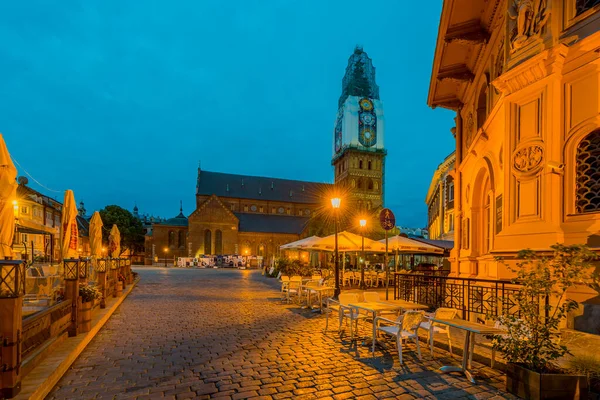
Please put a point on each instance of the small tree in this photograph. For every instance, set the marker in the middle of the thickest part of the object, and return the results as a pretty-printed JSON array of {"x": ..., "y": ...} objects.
[
  {"x": 543, "y": 304},
  {"x": 131, "y": 229}
]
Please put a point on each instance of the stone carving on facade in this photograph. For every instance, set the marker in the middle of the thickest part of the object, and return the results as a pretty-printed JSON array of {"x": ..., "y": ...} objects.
[
  {"x": 526, "y": 20},
  {"x": 528, "y": 159},
  {"x": 469, "y": 126}
]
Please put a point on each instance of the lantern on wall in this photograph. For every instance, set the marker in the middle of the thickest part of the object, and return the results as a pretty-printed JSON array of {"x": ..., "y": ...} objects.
[
  {"x": 113, "y": 264},
  {"x": 101, "y": 265},
  {"x": 12, "y": 278},
  {"x": 83, "y": 268},
  {"x": 71, "y": 269}
]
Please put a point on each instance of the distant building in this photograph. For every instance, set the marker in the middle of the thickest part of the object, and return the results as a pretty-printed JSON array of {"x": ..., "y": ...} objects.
[
  {"x": 413, "y": 232},
  {"x": 440, "y": 201},
  {"x": 250, "y": 215}
]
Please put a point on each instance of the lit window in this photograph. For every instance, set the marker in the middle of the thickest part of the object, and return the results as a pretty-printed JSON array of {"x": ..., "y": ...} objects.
[
  {"x": 261, "y": 209},
  {"x": 246, "y": 208},
  {"x": 587, "y": 179},
  {"x": 24, "y": 210}
]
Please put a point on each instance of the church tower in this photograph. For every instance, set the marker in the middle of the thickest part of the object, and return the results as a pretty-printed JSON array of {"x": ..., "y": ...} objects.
[{"x": 358, "y": 146}]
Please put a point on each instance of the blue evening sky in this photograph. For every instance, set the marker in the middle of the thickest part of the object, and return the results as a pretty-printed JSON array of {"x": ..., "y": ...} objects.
[{"x": 119, "y": 100}]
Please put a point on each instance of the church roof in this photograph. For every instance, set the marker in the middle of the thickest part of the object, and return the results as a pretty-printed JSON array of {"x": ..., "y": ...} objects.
[
  {"x": 259, "y": 188},
  {"x": 180, "y": 220},
  {"x": 269, "y": 223}
]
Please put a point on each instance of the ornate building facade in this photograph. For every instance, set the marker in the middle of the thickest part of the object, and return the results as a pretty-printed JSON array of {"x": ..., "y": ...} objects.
[
  {"x": 440, "y": 201},
  {"x": 524, "y": 80}
]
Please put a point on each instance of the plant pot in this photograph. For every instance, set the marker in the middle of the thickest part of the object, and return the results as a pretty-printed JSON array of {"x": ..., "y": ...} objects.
[
  {"x": 84, "y": 317},
  {"x": 528, "y": 384}
]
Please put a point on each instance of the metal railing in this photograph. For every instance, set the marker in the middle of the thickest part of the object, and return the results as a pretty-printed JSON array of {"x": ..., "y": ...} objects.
[{"x": 469, "y": 295}]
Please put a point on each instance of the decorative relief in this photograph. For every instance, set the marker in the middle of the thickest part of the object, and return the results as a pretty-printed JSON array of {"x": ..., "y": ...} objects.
[
  {"x": 469, "y": 127},
  {"x": 528, "y": 159},
  {"x": 526, "y": 20}
]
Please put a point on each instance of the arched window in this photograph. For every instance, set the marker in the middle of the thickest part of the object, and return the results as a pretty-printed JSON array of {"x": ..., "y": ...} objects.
[
  {"x": 181, "y": 239},
  {"x": 171, "y": 238},
  {"x": 369, "y": 165},
  {"x": 482, "y": 106},
  {"x": 359, "y": 184},
  {"x": 207, "y": 242},
  {"x": 370, "y": 184},
  {"x": 353, "y": 183},
  {"x": 218, "y": 242},
  {"x": 376, "y": 185},
  {"x": 360, "y": 164},
  {"x": 588, "y": 174},
  {"x": 368, "y": 205}
]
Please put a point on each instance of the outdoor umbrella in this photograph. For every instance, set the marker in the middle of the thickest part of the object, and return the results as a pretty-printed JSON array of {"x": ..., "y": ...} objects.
[
  {"x": 347, "y": 241},
  {"x": 8, "y": 193},
  {"x": 96, "y": 235},
  {"x": 403, "y": 244},
  {"x": 300, "y": 244},
  {"x": 69, "y": 233},
  {"x": 114, "y": 242}
]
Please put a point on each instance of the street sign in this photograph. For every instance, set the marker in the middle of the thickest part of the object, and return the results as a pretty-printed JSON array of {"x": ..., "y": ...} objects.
[{"x": 387, "y": 219}]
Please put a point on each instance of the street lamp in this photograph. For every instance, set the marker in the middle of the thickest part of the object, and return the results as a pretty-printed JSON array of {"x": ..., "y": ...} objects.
[
  {"x": 166, "y": 250},
  {"x": 363, "y": 224},
  {"x": 335, "y": 203}
]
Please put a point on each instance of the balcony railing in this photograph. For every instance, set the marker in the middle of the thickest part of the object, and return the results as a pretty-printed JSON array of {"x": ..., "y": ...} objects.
[{"x": 470, "y": 296}]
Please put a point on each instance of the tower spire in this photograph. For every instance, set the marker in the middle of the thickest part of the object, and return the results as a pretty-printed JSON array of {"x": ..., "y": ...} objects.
[{"x": 181, "y": 206}]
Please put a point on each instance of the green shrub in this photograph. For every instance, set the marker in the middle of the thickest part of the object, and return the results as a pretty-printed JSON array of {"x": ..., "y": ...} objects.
[{"x": 588, "y": 365}]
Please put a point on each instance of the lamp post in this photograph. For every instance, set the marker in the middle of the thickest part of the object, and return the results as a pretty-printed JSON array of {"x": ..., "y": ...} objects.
[
  {"x": 166, "y": 250},
  {"x": 363, "y": 224},
  {"x": 335, "y": 203}
]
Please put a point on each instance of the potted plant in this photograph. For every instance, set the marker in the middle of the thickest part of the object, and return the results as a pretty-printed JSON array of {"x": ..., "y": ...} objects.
[
  {"x": 88, "y": 294},
  {"x": 120, "y": 284},
  {"x": 531, "y": 345}
]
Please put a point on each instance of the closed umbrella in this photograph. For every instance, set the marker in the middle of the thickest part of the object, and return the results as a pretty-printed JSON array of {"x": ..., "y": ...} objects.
[
  {"x": 96, "y": 235},
  {"x": 114, "y": 242},
  {"x": 8, "y": 193},
  {"x": 69, "y": 242}
]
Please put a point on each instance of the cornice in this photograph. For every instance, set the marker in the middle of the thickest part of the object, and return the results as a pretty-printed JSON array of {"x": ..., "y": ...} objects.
[{"x": 533, "y": 70}]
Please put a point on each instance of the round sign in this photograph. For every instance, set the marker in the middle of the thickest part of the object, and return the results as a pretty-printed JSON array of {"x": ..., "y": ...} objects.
[{"x": 387, "y": 219}]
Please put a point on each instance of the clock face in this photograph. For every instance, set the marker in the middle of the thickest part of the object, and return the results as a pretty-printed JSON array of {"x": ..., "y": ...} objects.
[
  {"x": 253, "y": 207},
  {"x": 280, "y": 210},
  {"x": 366, "y": 104},
  {"x": 367, "y": 136},
  {"x": 367, "y": 119}
]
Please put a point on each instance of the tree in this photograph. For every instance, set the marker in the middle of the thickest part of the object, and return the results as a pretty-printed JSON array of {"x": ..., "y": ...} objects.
[{"x": 132, "y": 232}]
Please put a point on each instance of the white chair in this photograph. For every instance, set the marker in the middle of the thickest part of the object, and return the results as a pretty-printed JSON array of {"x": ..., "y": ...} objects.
[
  {"x": 489, "y": 344},
  {"x": 433, "y": 328},
  {"x": 294, "y": 287},
  {"x": 285, "y": 280},
  {"x": 405, "y": 327},
  {"x": 351, "y": 313}
]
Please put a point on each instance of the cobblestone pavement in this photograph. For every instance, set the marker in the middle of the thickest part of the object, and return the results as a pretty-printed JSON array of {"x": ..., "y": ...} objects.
[{"x": 184, "y": 334}]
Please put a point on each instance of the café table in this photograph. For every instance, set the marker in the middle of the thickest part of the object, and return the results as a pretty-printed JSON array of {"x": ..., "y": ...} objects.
[
  {"x": 319, "y": 290},
  {"x": 406, "y": 305},
  {"x": 471, "y": 329},
  {"x": 374, "y": 308}
]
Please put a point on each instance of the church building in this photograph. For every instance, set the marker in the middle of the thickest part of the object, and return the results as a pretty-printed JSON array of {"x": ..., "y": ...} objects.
[{"x": 254, "y": 216}]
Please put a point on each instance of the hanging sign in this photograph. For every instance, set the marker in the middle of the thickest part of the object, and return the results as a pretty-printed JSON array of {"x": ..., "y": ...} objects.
[{"x": 387, "y": 219}]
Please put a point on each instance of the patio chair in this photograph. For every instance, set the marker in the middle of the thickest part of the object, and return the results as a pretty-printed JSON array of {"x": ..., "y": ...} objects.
[
  {"x": 294, "y": 286},
  {"x": 347, "y": 279},
  {"x": 352, "y": 313},
  {"x": 285, "y": 280},
  {"x": 489, "y": 344},
  {"x": 433, "y": 328},
  {"x": 404, "y": 327}
]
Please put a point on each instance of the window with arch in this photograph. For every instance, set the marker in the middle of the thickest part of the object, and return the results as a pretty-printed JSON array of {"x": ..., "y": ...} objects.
[
  {"x": 359, "y": 184},
  {"x": 218, "y": 242},
  {"x": 207, "y": 241},
  {"x": 368, "y": 205},
  {"x": 376, "y": 185},
  {"x": 587, "y": 194},
  {"x": 353, "y": 183},
  {"x": 181, "y": 239},
  {"x": 370, "y": 184},
  {"x": 482, "y": 106},
  {"x": 360, "y": 164},
  {"x": 171, "y": 238}
]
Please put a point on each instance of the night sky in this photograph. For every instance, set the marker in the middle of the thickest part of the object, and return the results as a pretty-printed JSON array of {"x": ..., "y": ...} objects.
[{"x": 120, "y": 100}]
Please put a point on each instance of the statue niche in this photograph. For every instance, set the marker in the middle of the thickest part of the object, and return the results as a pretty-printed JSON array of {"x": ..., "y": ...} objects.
[{"x": 526, "y": 20}]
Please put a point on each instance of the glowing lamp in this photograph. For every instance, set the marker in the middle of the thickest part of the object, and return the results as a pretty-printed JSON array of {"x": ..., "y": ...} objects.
[
  {"x": 71, "y": 269},
  {"x": 336, "y": 202}
]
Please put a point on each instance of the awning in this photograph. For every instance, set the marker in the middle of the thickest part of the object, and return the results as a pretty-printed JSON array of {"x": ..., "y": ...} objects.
[{"x": 32, "y": 231}]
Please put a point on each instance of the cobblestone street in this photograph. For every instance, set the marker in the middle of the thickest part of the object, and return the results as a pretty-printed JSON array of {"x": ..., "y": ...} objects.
[{"x": 185, "y": 334}]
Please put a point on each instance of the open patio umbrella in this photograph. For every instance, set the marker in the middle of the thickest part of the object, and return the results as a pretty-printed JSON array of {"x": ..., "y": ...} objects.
[
  {"x": 347, "y": 241},
  {"x": 114, "y": 242},
  {"x": 403, "y": 244},
  {"x": 96, "y": 235},
  {"x": 8, "y": 193},
  {"x": 300, "y": 244},
  {"x": 69, "y": 234}
]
